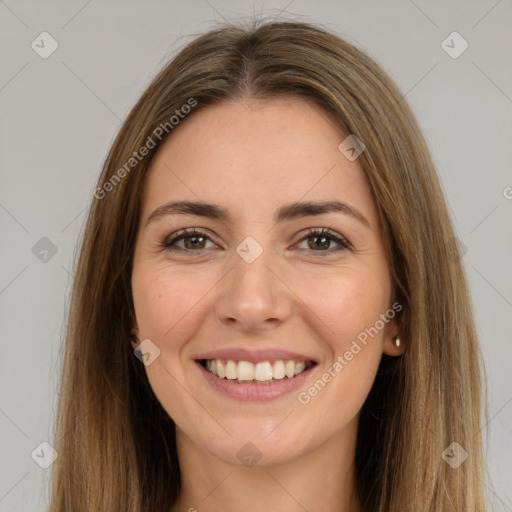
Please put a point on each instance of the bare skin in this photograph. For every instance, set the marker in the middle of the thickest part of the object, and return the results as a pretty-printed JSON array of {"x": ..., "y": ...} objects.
[{"x": 300, "y": 294}]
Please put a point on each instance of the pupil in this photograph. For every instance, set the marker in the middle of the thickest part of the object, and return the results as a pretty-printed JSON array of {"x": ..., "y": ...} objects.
[
  {"x": 193, "y": 244},
  {"x": 324, "y": 243}
]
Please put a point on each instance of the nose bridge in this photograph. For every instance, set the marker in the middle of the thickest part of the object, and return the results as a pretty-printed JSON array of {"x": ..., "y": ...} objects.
[
  {"x": 252, "y": 275},
  {"x": 253, "y": 295}
]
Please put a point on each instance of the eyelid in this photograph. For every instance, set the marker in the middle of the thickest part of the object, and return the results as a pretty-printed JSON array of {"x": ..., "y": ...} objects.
[
  {"x": 343, "y": 244},
  {"x": 185, "y": 233}
]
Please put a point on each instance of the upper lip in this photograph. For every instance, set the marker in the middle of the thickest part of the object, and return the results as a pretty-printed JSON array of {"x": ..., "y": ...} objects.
[{"x": 254, "y": 356}]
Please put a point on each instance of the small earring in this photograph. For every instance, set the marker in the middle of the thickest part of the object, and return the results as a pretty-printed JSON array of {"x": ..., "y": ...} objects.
[{"x": 397, "y": 341}]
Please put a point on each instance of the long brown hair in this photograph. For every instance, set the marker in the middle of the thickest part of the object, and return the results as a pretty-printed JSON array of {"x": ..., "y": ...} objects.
[{"x": 116, "y": 443}]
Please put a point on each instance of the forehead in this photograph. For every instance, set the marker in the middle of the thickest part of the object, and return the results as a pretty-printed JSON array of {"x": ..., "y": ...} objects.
[{"x": 249, "y": 154}]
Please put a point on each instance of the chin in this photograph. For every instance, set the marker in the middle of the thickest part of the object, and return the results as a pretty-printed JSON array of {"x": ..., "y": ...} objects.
[{"x": 251, "y": 444}]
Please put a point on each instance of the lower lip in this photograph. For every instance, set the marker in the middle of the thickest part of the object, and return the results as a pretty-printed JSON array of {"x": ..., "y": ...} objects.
[{"x": 255, "y": 392}]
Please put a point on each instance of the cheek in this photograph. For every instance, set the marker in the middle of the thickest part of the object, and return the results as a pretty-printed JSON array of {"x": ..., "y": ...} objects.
[
  {"x": 163, "y": 300},
  {"x": 346, "y": 310},
  {"x": 345, "y": 303}
]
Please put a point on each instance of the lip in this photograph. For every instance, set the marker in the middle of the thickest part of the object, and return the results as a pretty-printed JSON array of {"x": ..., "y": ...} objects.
[
  {"x": 254, "y": 356},
  {"x": 254, "y": 392}
]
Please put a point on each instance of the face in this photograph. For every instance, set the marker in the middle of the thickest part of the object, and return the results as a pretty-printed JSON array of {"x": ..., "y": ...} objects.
[{"x": 300, "y": 296}]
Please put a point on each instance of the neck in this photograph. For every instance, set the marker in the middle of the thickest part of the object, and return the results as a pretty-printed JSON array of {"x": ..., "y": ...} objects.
[{"x": 322, "y": 479}]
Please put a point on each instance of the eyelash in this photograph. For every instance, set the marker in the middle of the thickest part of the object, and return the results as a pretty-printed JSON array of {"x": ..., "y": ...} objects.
[{"x": 167, "y": 243}]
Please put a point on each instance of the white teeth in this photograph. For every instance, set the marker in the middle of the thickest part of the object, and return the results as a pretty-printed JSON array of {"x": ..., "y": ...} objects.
[
  {"x": 245, "y": 370},
  {"x": 221, "y": 372},
  {"x": 289, "y": 369},
  {"x": 231, "y": 372},
  {"x": 278, "y": 370},
  {"x": 263, "y": 371},
  {"x": 300, "y": 367}
]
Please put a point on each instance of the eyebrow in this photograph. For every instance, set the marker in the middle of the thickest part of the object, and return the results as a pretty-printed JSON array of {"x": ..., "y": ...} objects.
[{"x": 287, "y": 212}]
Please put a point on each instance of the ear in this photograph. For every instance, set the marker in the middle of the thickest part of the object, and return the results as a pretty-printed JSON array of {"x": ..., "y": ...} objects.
[
  {"x": 391, "y": 334},
  {"x": 134, "y": 329},
  {"x": 390, "y": 347},
  {"x": 134, "y": 333},
  {"x": 134, "y": 341}
]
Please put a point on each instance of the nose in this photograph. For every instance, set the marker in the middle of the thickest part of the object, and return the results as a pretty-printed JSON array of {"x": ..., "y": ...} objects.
[{"x": 254, "y": 297}]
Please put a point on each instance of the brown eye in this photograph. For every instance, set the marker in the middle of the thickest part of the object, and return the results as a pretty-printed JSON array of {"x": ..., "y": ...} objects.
[
  {"x": 319, "y": 240},
  {"x": 193, "y": 239}
]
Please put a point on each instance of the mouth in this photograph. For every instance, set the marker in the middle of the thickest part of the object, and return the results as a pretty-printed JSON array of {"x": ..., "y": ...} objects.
[
  {"x": 256, "y": 373},
  {"x": 252, "y": 375}
]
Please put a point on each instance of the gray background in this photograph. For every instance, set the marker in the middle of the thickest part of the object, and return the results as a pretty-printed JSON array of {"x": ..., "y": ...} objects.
[{"x": 60, "y": 116}]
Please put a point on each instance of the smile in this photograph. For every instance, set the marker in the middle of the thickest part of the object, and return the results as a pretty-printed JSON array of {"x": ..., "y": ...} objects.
[{"x": 263, "y": 372}]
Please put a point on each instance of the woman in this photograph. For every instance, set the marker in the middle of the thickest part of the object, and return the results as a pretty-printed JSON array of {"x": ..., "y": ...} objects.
[{"x": 264, "y": 316}]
